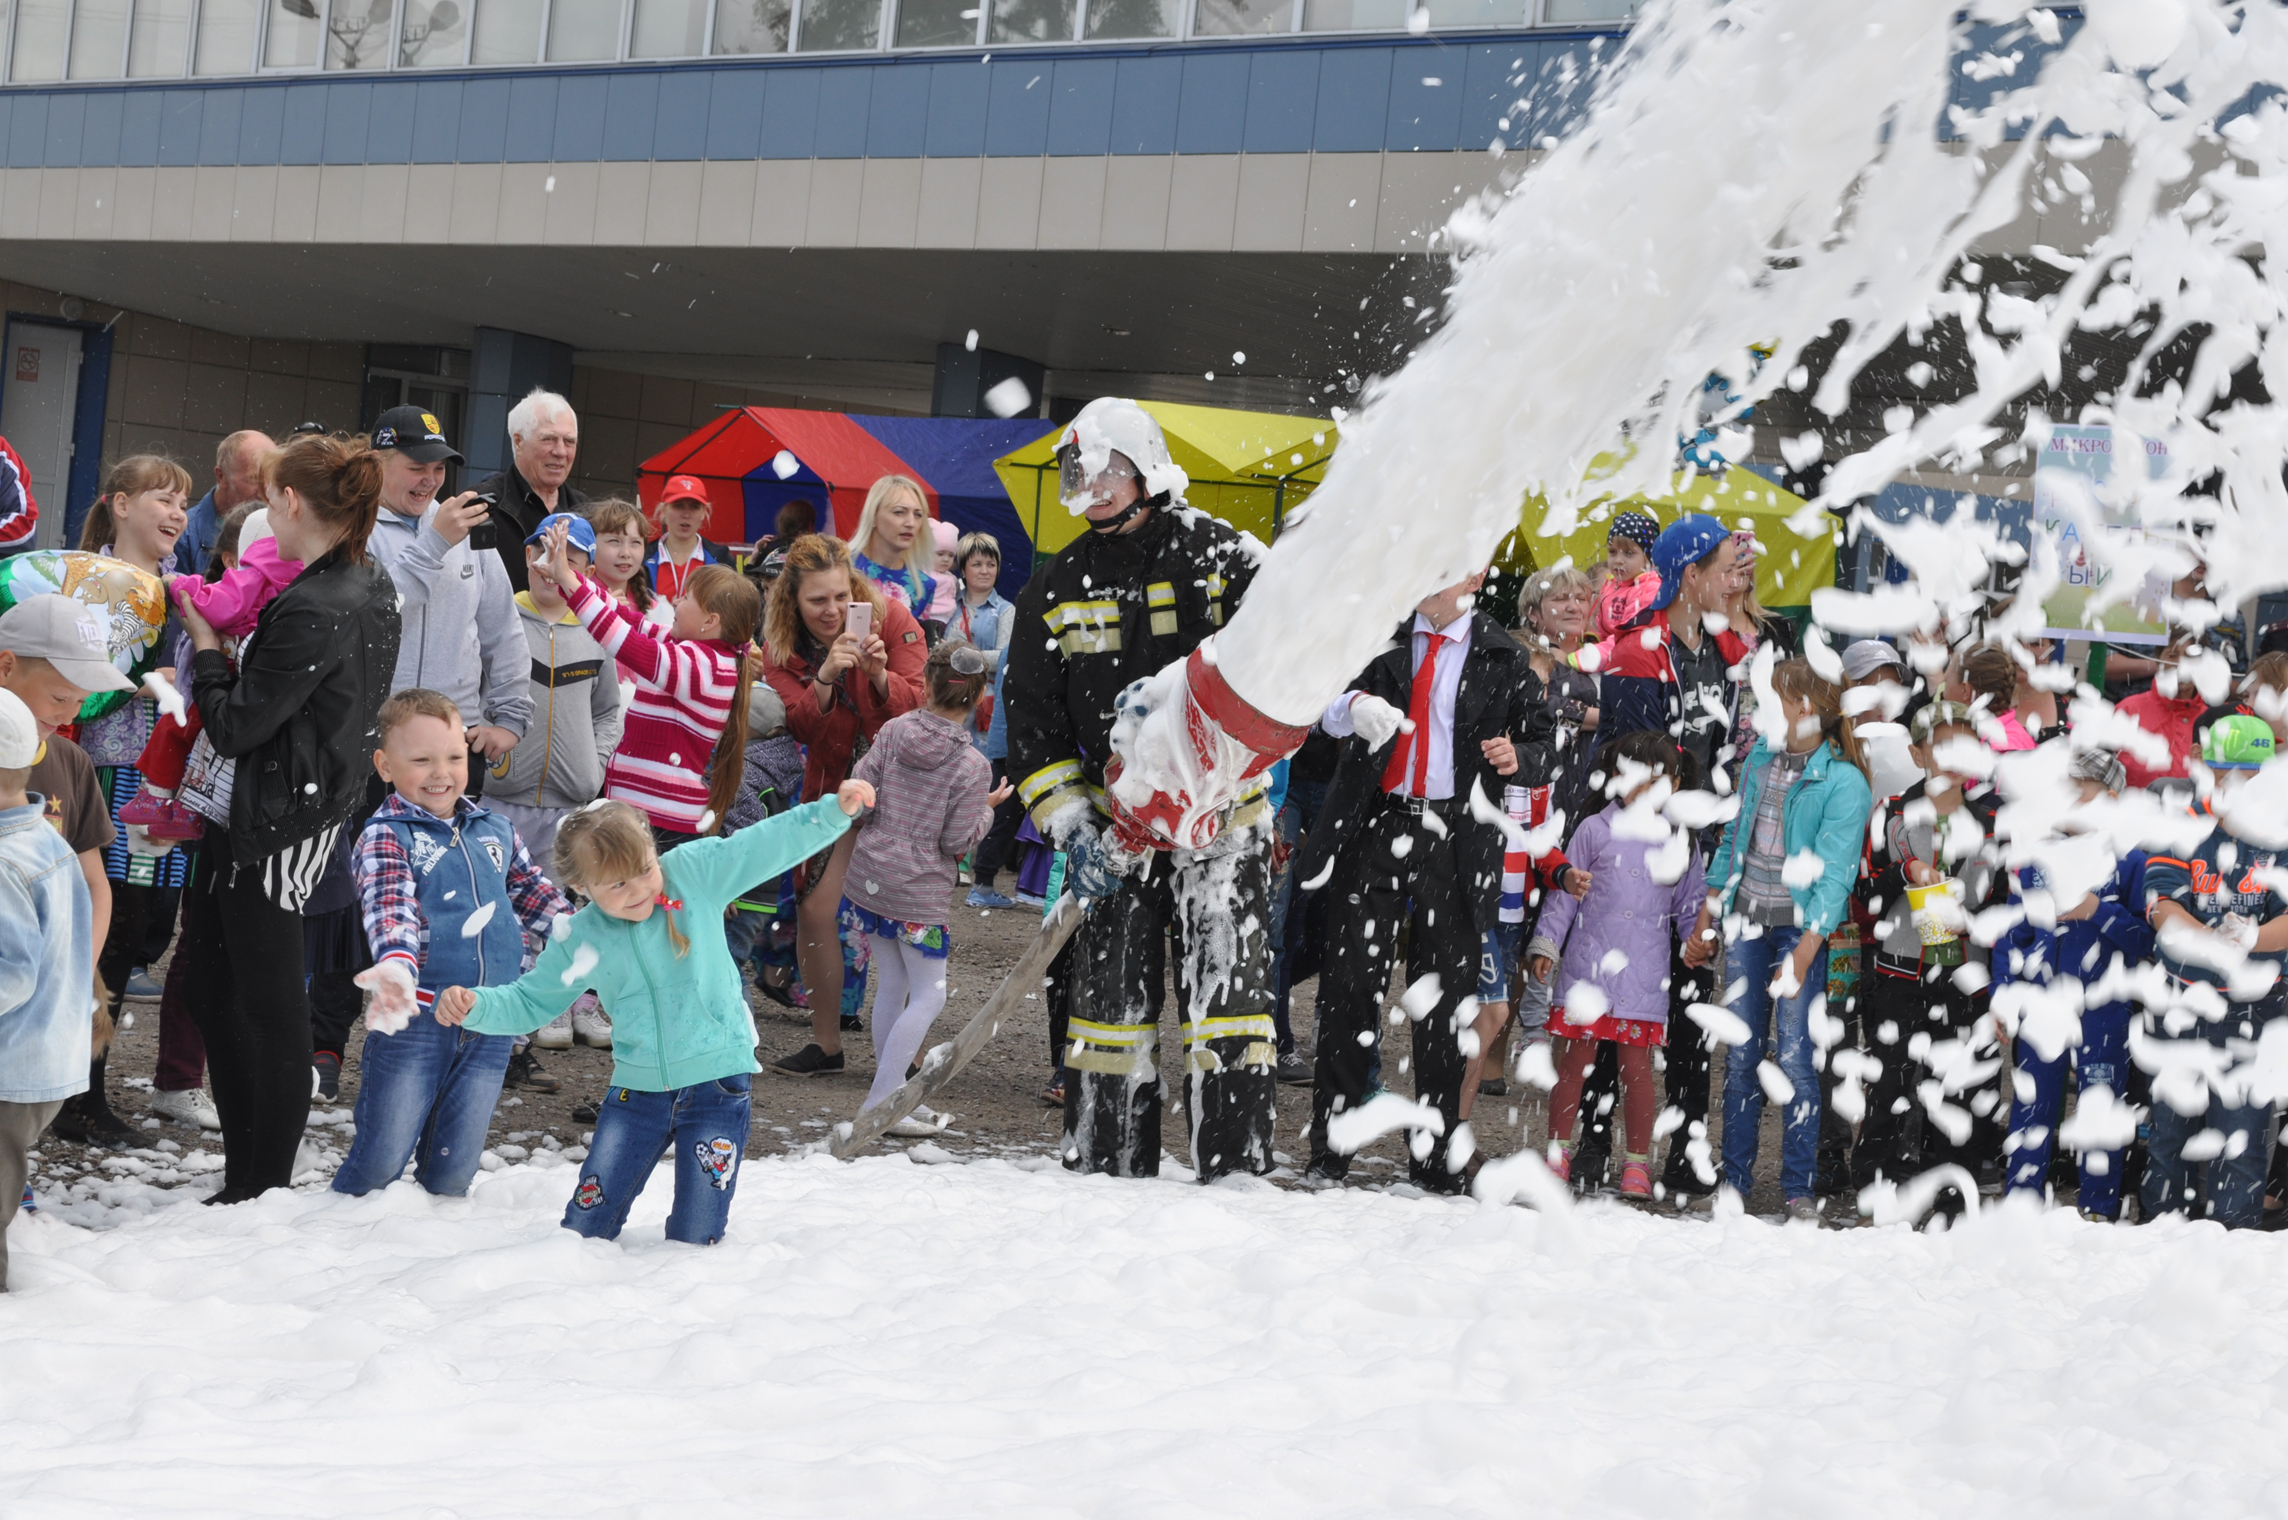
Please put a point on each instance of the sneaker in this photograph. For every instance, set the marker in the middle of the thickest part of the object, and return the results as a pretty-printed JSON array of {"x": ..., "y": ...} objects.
[
  {"x": 1561, "y": 1164},
  {"x": 963, "y": 877},
  {"x": 1679, "y": 1180},
  {"x": 1029, "y": 900},
  {"x": 1636, "y": 1180},
  {"x": 810, "y": 1061},
  {"x": 1054, "y": 1094},
  {"x": 1803, "y": 1211},
  {"x": 189, "y": 1105},
  {"x": 1293, "y": 1070},
  {"x": 1327, "y": 1171},
  {"x": 778, "y": 988},
  {"x": 162, "y": 817},
  {"x": 986, "y": 897},
  {"x": 524, "y": 1071},
  {"x": 327, "y": 1068},
  {"x": 921, "y": 1124},
  {"x": 141, "y": 987},
  {"x": 1493, "y": 1087},
  {"x": 29, "y": 1205},
  {"x": 851, "y": 1023},
  {"x": 590, "y": 1024},
  {"x": 91, "y": 1123},
  {"x": 586, "y": 1112},
  {"x": 556, "y": 1034}
]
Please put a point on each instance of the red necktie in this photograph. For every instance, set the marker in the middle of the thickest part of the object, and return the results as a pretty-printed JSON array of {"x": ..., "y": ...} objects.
[{"x": 1412, "y": 751}]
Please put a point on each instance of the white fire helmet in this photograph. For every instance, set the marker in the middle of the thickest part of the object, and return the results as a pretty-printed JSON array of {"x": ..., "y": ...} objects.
[{"x": 1086, "y": 450}]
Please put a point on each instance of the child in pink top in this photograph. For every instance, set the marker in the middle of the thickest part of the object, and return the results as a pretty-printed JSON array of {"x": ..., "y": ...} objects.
[
  {"x": 1634, "y": 584},
  {"x": 233, "y": 604}
]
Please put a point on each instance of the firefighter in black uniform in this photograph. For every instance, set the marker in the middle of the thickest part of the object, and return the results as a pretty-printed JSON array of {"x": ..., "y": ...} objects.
[{"x": 1140, "y": 590}]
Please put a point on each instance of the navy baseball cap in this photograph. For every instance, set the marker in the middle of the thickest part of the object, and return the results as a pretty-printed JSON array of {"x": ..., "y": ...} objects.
[
  {"x": 412, "y": 432},
  {"x": 581, "y": 533},
  {"x": 1685, "y": 542}
]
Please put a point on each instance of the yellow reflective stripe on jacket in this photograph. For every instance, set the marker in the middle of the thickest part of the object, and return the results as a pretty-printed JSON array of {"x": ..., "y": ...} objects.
[
  {"x": 1049, "y": 791},
  {"x": 1085, "y": 627},
  {"x": 1161, "y": 595},
  {"x": 1216, "y": 584}
]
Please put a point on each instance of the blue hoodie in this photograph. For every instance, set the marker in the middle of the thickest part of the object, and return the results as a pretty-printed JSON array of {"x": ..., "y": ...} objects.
[{"x": 47, "y": 956}]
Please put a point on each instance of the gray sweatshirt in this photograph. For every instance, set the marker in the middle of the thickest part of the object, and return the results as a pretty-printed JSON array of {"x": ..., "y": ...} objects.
[
  {"x": 575, "y": 717},
  {"x": 460, "y": 624},
  {"x": 929, "y": 810}
]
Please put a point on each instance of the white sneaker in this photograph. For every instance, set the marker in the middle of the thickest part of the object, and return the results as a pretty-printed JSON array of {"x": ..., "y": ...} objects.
[
  {"x": 190, "y": 1106},
  {"x": 556, "y": 1034},
  {"x": 590, "y": 1024},
  {"x": 921, "y": 1124}
]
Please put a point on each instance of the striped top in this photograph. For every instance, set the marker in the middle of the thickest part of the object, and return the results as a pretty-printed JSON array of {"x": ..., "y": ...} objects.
[
  {"x": 683, "y": 690},
  {"x": 1528, "y": 807}
]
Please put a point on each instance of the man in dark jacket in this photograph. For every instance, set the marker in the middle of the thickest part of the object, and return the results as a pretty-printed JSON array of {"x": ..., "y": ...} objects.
[
  {"x": 1145, "y": 586},
  {"x": 544, "y": 439},
  {"x": 1404, "y": 848}
]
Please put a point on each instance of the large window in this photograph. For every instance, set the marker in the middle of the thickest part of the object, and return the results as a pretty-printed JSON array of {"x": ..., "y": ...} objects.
[{"x": 54, "y": 40}]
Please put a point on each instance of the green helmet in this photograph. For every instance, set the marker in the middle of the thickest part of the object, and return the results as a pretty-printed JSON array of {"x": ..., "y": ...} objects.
[{"x": 2237, "y": 743}]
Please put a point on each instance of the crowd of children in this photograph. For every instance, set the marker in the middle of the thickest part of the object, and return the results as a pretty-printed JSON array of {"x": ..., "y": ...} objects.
[{"x": 1699, "y": 847}]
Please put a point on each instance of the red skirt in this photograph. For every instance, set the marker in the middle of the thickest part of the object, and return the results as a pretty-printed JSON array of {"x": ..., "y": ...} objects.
[{"x": 1642, "y": 1032}]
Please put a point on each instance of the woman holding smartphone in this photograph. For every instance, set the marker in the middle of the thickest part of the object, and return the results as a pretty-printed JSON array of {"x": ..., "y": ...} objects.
[{"x": 845, "y": 660}]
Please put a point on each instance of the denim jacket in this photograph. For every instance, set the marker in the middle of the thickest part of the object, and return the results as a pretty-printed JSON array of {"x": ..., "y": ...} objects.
[
  {"x": 47, "y": 961},
  {"x": 1826, "y": 814}
]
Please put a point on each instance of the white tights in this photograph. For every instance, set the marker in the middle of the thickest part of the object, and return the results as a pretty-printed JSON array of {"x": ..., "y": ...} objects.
[{"x": 909, "y": 994}]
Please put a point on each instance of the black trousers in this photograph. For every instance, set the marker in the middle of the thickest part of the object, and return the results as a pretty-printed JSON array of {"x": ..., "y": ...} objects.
[
  {"x": 1898, "y": 1139},
  {"x": 243, "y": 985},
  {"x": 335, "y": 1003},
  {"x": 1219, "y": 908},
  {"x": 993, "y": 850},
  {"x": 142, "y": 924},
  {"x": 1395, "y": 871}
]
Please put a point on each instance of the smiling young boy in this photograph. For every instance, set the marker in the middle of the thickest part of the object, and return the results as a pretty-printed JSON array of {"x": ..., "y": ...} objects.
[{"x": 450, "y": 896}]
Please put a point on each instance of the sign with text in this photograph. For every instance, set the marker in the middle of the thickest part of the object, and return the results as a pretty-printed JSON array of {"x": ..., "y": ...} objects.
[{"x": 2075, "y": 465}]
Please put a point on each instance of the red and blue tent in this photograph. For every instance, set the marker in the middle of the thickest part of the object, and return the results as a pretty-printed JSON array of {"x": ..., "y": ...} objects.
[{"x": 755, "y": 459}]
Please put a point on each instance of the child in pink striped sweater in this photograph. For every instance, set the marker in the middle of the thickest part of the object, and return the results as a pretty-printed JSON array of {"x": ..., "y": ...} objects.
[{"x": 683, "y": 748}]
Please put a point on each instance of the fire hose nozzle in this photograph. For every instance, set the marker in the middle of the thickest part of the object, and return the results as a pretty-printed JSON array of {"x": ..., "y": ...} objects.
[{"x": 1212, "y": 713}]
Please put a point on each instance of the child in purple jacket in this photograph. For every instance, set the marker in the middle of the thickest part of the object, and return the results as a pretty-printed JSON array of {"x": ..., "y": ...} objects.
[
  {"x": 935, "y": 800},
  {"x": 1613, "y": 948}
]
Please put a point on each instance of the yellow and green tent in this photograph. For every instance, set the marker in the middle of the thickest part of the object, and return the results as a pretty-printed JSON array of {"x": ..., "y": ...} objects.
[{"x": 1248, "y": 468}]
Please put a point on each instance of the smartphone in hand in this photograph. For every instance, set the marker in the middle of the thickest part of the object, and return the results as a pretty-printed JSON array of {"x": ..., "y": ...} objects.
[
  {"x": 486, "y": 535},
  {"x": 859, "y": 621}
]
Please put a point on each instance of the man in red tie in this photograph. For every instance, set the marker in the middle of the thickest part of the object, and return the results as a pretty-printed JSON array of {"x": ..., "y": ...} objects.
[{"x": 1447, "y": 710}]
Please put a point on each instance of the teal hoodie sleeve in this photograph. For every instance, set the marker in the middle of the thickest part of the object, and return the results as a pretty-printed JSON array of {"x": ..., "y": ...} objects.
[
  {"x": 714, "y": 871},
  {"x": 1844, "y": 805},
  {"x": 546, "y": 990},
  {"x": 1723, "y": 874}
]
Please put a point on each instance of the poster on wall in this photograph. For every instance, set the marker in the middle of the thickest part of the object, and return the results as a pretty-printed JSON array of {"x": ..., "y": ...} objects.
[{"x": 2074, "y": 467}]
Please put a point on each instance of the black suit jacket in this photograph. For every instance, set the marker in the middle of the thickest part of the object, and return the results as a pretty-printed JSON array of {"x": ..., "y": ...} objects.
[{"x": 1499, "y": 697}]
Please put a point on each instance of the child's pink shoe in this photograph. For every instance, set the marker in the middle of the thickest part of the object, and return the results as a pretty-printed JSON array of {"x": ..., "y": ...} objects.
[
  {"x": 1636, "y": 1180},
  {"x": 1561, "y": 1163},
  {"x": 161, "y": 817}
]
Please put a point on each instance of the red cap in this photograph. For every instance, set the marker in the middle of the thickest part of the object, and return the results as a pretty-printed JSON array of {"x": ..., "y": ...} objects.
[{"x": 683, "y": 488}]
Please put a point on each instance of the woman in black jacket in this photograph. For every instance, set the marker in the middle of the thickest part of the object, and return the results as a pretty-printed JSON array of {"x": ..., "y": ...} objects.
[{"x": 294, "y": 722}]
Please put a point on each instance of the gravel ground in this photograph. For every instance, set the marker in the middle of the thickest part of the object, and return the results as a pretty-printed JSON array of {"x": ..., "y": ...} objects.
[{"x": 995, "y": 1103}]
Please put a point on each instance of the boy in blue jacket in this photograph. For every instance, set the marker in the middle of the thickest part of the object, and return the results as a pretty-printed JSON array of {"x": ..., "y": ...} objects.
[
  {"x": 2209, "y": 910},
  {"x": 449, "y": 896},
  {"x": 47, "y": 963},
  {"x": 2086, "y": 944}
]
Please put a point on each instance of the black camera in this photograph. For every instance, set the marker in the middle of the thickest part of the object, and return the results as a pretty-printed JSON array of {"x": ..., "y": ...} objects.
[{"x": 486, "y": 535}]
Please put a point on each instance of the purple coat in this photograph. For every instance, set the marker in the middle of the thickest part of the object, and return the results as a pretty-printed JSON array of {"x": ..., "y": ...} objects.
[{"x": 1626, "y": 910}]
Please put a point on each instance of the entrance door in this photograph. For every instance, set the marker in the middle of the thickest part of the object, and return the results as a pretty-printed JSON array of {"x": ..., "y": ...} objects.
[{"x": 39, "y": 390}]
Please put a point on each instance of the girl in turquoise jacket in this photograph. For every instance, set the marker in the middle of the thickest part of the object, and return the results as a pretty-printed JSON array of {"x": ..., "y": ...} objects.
[
  {"x": 650, "y": 943},
  {"x": 1781, "y": 881}
]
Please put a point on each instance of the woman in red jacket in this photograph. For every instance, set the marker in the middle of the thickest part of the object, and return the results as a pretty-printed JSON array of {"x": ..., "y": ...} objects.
[{"x": 839, "y": 689}]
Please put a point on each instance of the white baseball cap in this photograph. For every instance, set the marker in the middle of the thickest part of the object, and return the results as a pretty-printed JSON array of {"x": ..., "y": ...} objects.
[
  {"x": 19, "y": 735},
  {"x": 68, "y": 634}
]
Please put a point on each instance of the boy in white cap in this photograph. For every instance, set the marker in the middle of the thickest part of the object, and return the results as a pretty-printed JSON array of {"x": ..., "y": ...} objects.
[
  {"x": 47, "y": 956},
  {"x": 53, "y": 653}
]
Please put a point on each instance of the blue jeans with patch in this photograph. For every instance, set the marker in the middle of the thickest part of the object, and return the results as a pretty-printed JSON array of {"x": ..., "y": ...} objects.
[
  {"x": 705, "y": 1125},
  {"x": 425, "y": 1094},
  {"x": 2230, "y": 1187},
  {"x": 2100, "y": 1060},
  {"x": 1788, "y": 1028}
]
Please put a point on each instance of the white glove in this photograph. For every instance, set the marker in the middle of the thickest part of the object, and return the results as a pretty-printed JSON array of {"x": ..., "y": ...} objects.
[
  {"x": 140, "y": 842},
  {"x": 2238, "y": 931},
  {"x": 393, "y": 1007},
  {"x": 1376, "y": 721}
]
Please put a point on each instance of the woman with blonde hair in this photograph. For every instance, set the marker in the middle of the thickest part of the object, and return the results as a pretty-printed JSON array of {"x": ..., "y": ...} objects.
[
  {"x": 894, "y": 541},
  {"x": 841, "y": 678}
]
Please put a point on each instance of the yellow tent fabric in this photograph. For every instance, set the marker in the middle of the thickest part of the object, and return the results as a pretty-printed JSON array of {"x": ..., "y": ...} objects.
[
  {"x": 1248, "y": 468},
  {"x": 1789, "y": 567}
]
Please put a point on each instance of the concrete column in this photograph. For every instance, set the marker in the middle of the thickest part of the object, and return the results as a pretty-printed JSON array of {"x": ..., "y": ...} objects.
[{"x": 505, "y": 367}]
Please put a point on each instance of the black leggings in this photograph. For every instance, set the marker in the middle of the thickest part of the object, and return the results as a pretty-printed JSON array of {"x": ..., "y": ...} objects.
[
  {"x": 243, "y": 986},
  {"x": 994, "y": 849}
]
